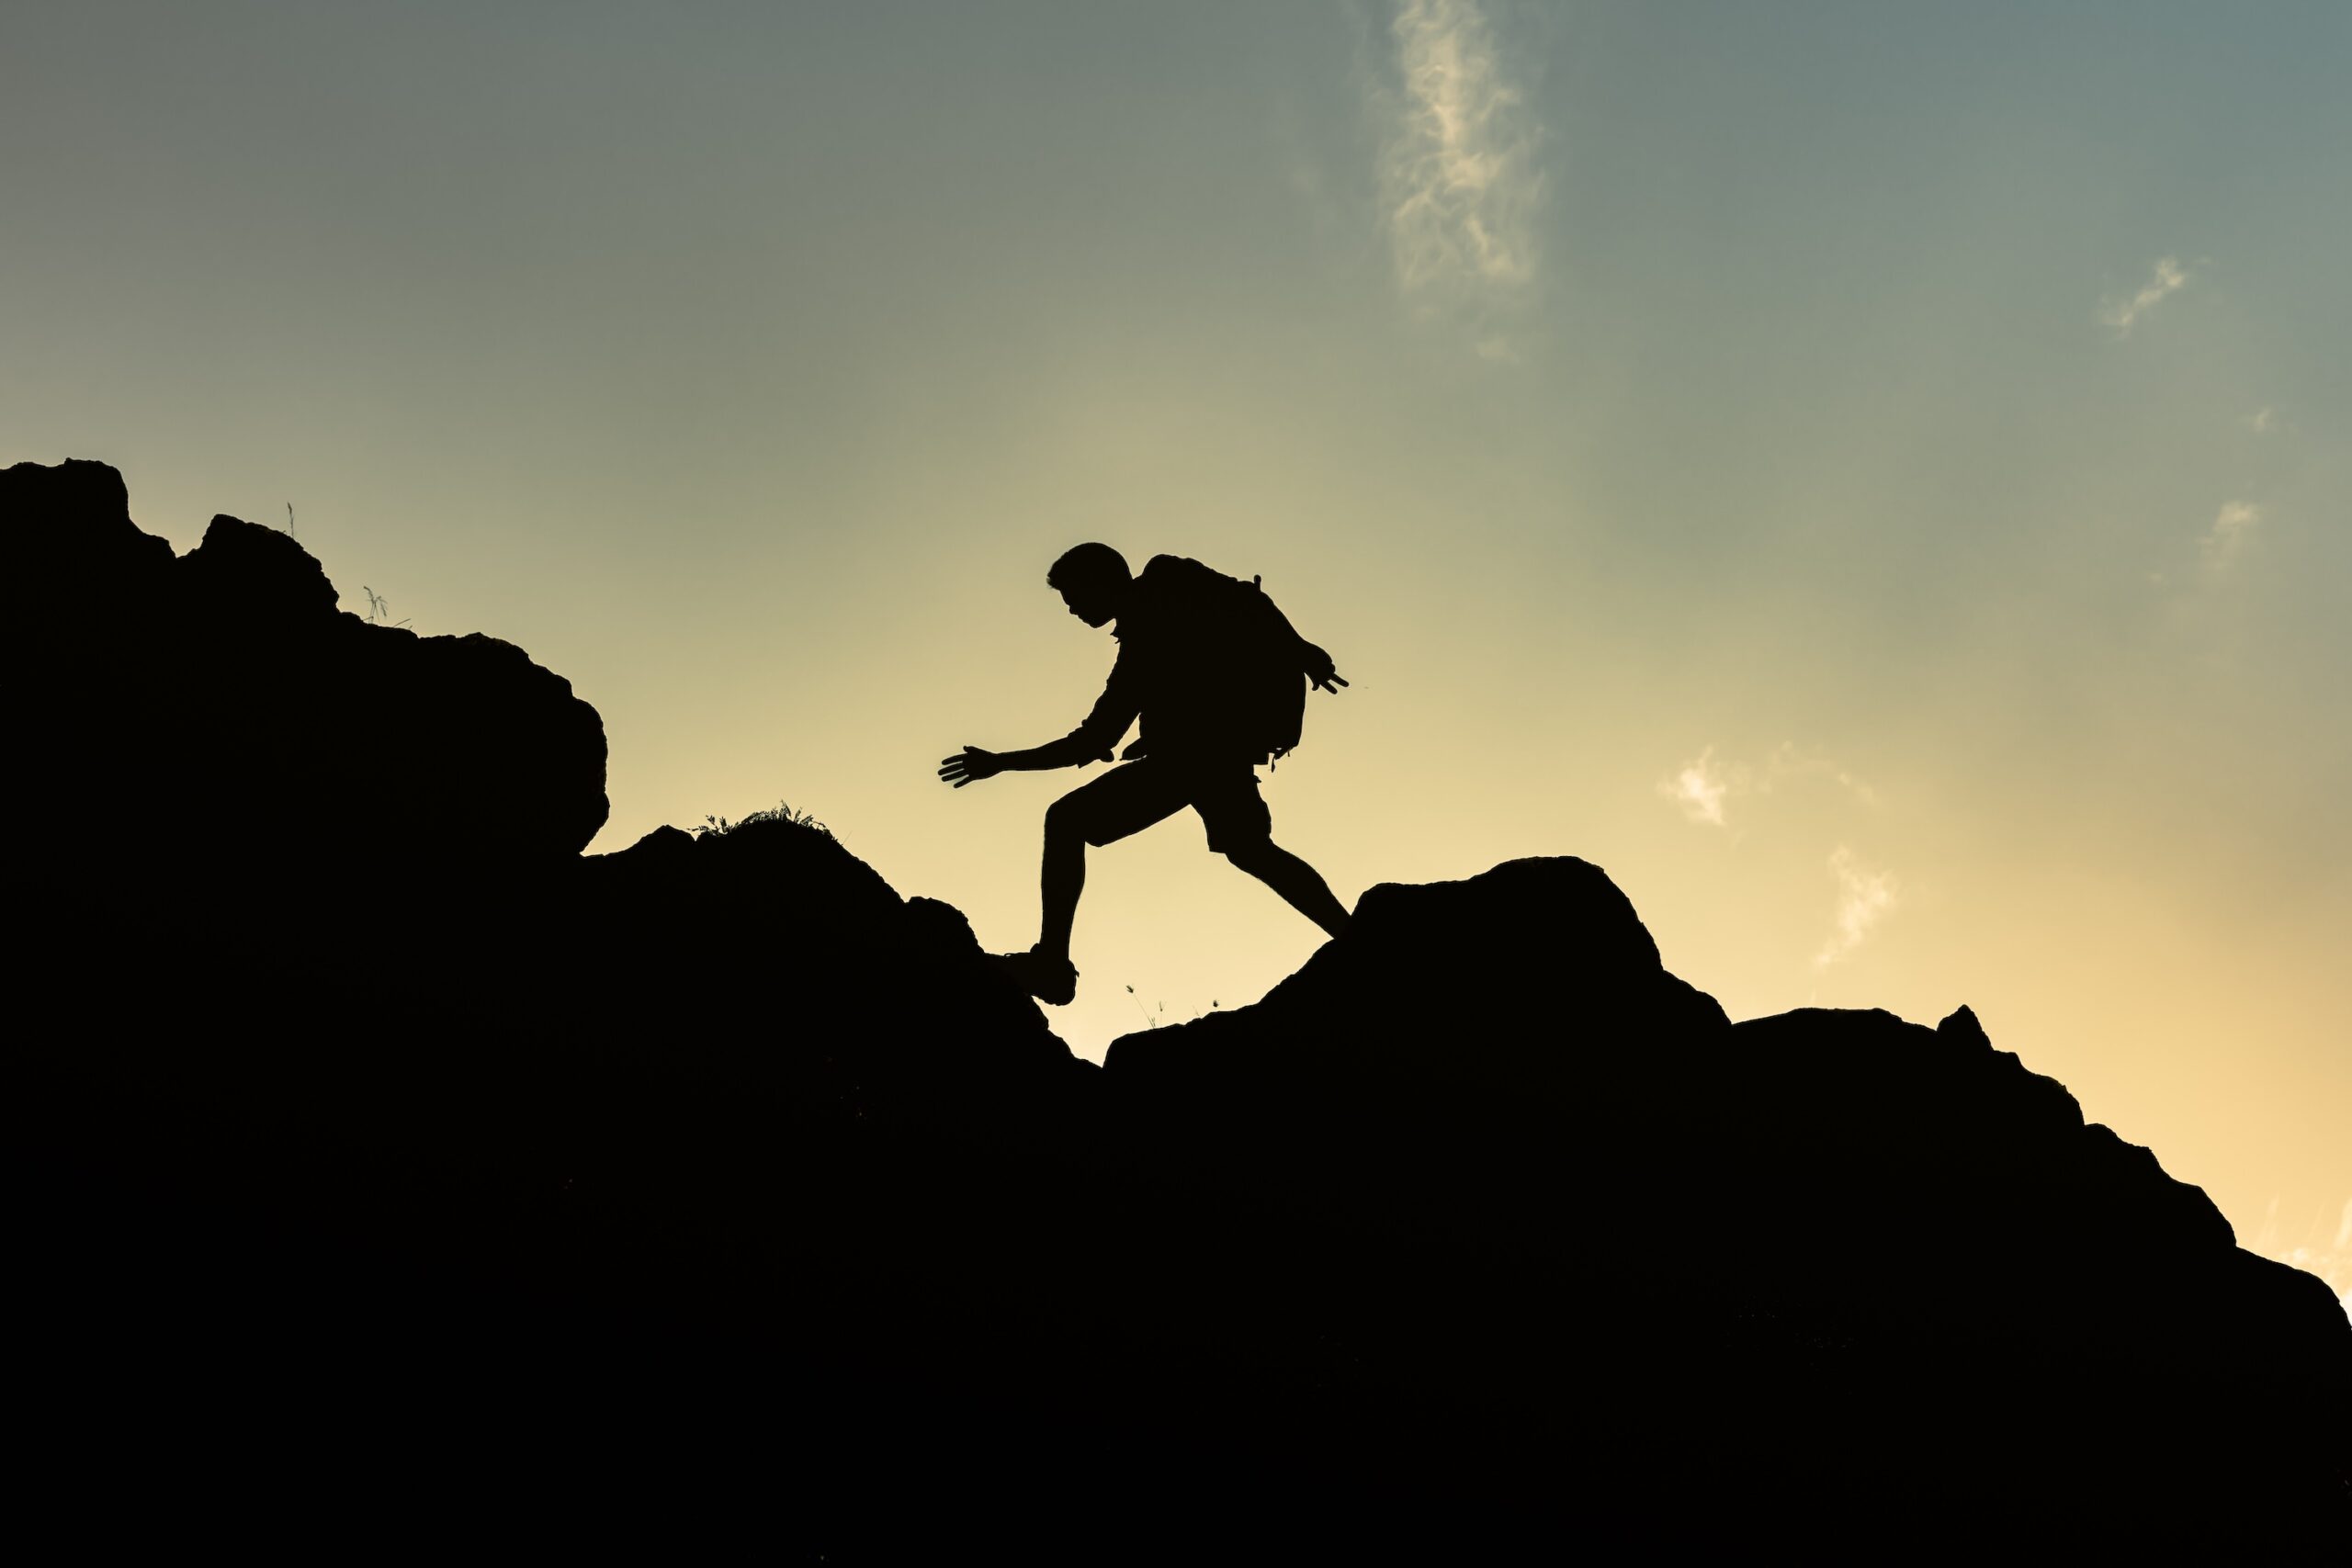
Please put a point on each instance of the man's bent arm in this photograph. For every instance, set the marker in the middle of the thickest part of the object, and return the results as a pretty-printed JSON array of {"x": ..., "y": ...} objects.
[{"x": 1312, "y": 659}]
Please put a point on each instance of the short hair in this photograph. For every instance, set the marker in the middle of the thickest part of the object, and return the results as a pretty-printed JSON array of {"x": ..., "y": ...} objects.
[{"x": 1088, "y": 563}]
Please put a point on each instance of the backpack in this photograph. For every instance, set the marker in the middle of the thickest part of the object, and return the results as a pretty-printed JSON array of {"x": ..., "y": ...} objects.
[
  {"x": 1274, "y": 686},
  {"x": 1251, "y": 685}
]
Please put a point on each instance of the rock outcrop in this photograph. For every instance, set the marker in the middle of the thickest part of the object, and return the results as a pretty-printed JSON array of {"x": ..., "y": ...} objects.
[
  {"x": 214, "y": 715},
  {"x": 715, "y": 1165},
  {"x": 1522, "y": 1025}
]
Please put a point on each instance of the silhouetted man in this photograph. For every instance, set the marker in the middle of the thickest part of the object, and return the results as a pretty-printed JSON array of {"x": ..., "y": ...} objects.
[{"x": 1219, "y": 680}]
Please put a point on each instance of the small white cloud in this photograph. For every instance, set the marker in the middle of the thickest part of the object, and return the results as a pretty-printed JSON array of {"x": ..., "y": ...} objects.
[
  {"x": 1866, "y": 895},
  {"x": 1459, "y": 183},
  {"x": 2169, "y": 278},
  {"x": 1700, "y": 788},
  {"x": 2329, "y": 1262},
  {"x": 2332, "y": 1263},
  {"x": 2262, "y": 421},
  {"x": 2231, "y": 528}
]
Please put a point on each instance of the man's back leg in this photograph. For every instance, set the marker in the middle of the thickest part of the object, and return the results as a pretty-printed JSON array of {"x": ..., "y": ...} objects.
[
  {"x": 1241, "y": 829},
  {"x": 1301, "y": 886}
]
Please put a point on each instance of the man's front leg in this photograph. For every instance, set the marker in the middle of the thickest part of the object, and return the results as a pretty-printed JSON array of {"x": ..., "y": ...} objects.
[
  {"x": 1060, "y": 880},
  {"x": 1045, "y": 971}
]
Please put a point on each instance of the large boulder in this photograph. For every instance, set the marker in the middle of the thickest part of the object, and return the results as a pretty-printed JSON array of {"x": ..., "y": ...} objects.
[{"x": 1505, "y": 1059}]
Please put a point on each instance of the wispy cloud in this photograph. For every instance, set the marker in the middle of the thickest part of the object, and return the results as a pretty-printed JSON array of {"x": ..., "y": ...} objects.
[
  {"x": 2169, "y": 278},
  {"x": 1866, "y": 895},
  {"x": 1459, "y": 182},
  {"x": 2262, "y": 421},
  {"x": 1703, "y": 788},
  {"x": 2231, "y": 528},
  {"x": 1791, "y": 762}
]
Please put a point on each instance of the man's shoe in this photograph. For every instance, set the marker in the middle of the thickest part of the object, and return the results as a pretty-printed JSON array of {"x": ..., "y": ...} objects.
[{"x": 1050, "y": 980}]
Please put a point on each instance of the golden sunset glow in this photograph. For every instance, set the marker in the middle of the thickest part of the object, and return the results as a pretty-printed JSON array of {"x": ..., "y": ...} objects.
[{"x": 1876, "y": 484}]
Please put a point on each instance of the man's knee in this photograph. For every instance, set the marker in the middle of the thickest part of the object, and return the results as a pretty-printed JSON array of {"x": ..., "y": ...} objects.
[
  {"x": 1066, "y": 820},
  {"x": 1250, "y": 852}
]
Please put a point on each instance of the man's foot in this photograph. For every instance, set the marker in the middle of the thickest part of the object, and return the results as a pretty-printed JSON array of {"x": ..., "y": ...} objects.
[{"x": 1050, "y": 980}]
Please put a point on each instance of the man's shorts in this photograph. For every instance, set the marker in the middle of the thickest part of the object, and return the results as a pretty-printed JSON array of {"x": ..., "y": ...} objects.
[{"x": 1134, "y": 795}]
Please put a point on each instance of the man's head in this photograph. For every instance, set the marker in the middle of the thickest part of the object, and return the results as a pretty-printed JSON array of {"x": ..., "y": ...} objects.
[{"x": 1092, "y": 581}]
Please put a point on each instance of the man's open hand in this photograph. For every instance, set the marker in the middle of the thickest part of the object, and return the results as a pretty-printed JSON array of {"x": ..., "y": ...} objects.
[
  {"x": 1319, "y": 671},
  {"x": 968, "y": 764}
]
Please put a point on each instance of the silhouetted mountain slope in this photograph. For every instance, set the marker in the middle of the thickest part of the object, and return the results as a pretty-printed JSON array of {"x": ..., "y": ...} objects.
[{"x": 711, "y": 1181}]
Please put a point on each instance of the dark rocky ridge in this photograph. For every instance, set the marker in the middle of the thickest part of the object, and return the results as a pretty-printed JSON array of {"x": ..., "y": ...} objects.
[
  {"x": 715, "y": 1168},
  {"x": 218, "y": 705}
]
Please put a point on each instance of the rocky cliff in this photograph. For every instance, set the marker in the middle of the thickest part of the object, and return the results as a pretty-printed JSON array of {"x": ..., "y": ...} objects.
[{"x": 714, "y": 1181}]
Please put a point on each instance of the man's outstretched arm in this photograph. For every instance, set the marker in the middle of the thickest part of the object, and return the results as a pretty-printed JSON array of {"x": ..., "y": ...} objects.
[{"x": 1089, "y": 743}]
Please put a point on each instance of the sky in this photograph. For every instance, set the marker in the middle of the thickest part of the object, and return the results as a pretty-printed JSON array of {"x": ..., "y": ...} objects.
[{"x": 1876, "y": 480}]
